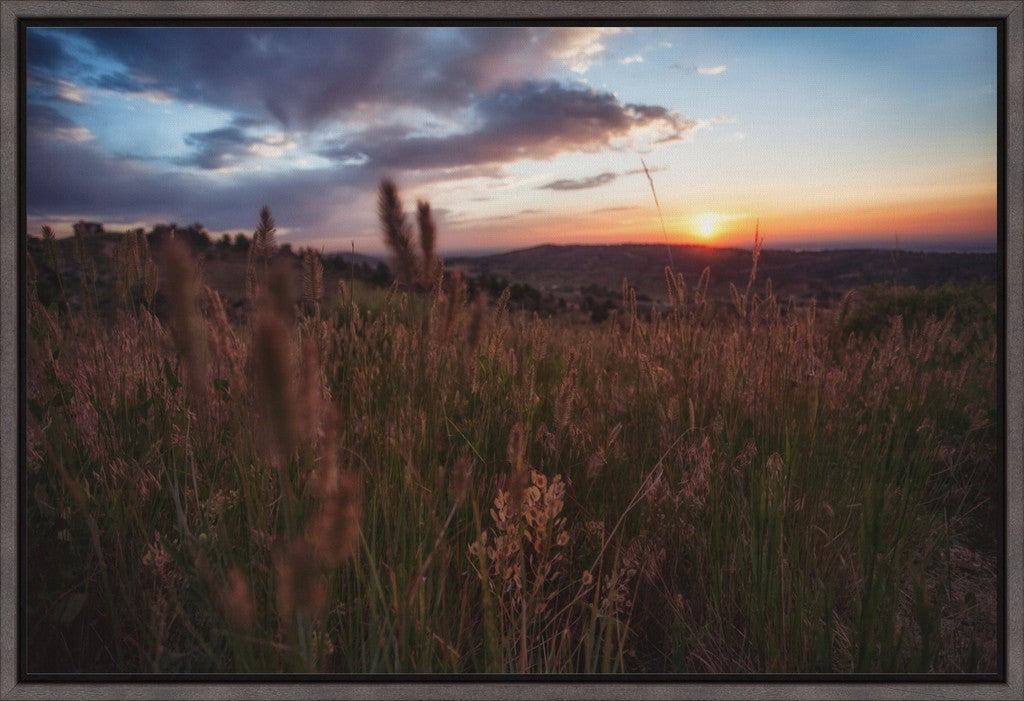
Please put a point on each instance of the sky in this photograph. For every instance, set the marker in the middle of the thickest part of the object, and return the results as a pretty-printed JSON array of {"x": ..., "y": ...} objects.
[{"x": 820, "y": 137}]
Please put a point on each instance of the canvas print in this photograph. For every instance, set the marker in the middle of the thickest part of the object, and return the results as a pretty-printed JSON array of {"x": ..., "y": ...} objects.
[{"x": 526, "y": 350}]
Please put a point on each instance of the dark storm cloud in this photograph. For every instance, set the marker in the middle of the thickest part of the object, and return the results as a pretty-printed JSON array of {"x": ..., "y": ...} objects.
[
  {"x": 302, "y": 76},
  {"x": 531, "y": 120},
  {"x": 220, "y": 147},
  {"x": 44, "y": 120},
  {"x": 44, "y": 53},
  {"x": 283, "y": 84},
  {"x": 250, "y": 69},
  {"x": 72, "y": 178},
  {"x": 580, "y": 184}
]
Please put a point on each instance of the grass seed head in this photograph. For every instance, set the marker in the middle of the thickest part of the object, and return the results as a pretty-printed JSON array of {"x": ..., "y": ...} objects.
[
  {"x": 237, "y": 602},
  {"x": 428, "y": 239},
  {"x": 334, "y": 533},
  {"x": 300, "y": 582},
  {"x": 187, "y": 325},
  {"x": 271, "y": 366},
  {"x": 397, "y": 233}
]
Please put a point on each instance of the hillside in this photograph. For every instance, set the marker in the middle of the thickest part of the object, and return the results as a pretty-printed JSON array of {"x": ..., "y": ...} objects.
[{"x": 823, "y": 275}]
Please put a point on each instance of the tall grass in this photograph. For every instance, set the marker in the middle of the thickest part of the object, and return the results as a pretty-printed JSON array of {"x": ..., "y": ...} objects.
[{"x": 421, "y": 482}]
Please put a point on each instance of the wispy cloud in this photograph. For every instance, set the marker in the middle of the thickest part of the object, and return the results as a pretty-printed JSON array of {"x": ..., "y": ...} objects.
[
  {"x": 710, "y": 70},
  {"x": 69, "y": 92},
  {"x": 581, "y": 183},
  {"x": 580, "y": 48},
  {"x": 635, "y": 58},
  {"x": 79, "y": 134},
  {"x": 229, "y": 146},
  {"x": 627, "y": 208},
  {"x": 597, "y": 180}
]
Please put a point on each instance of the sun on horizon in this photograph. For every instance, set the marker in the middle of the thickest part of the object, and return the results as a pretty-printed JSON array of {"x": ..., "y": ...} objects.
[{"x": 706, "y": 225}]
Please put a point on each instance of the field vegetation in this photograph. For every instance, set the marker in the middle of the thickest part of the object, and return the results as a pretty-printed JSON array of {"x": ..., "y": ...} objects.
[{"x": 419, "y": 478}]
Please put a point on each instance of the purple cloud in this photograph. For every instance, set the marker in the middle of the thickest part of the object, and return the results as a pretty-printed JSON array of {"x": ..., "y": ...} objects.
[{"x": 531, "y": 120}]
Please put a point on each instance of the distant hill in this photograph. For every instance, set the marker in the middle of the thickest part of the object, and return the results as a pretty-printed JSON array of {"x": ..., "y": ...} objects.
[
  {"x": 356, "y": 258},
  {"x": 803, "y": 275}
]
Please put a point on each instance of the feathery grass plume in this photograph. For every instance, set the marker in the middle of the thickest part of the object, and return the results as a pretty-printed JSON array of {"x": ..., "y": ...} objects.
[
  {"x": 567, "y": 393},
  {"x": 519, "y": 477},
  {"x": 456, "y": 298},
  {"x": 82, "y": 253},
  {"x": 397, "y": 233},
  {"x": 477, "y": 317},
  {"x": 31, "y": 280},
  {"x": 52, "y": 252},
  {"x": 127, "y": 266},
  {"x": 428, "y": 239},
  {"x": 263, "y": 237},
  {"x": 227, "y": 352},
  {"x": 88, "y": 266},
  {"x": 498, "y": 324},
  {"x": 311, "y": 400},
  {"x": 677, "y": 293},
  {"x": 280, "y": 290},
  {"x": 270, "y": 361},
  {"x": 700, "y": 294},
  {"x": 54, "y": 259},
  {"x": 629, "y": 303},
  {"x": 301, "y": 585},
  {"x": 745, "y": 299},
  {"x": 187, "y": 326},
  {"x": 737, "y": 300},
  {"x": 673, "y": 292},
  {"x": 461, "y": 480},
  {"x": 237, "y": 602},
  {"x": 251, "y": 278},
  {"x": 149, "y": 274},
  {"x": 333, "y": 534},
  {"x": 312, "y": 278}
]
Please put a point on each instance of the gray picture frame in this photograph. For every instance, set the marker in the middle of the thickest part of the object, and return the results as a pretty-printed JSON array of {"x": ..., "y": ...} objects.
[{"x": 14, "y": 11}]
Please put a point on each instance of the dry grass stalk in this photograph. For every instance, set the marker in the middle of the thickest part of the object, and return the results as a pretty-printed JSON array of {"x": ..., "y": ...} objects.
[
  {"x": 280, "y": 291},
  {"x": 270, "y": 362},
  {"x": 312, "y": 277},
  {"x": 428, "y": 239},
  {"x": 237, "y": 601},
  {"x": 477, "y": 319},
  {"x": 334, "y": 533},
  {"x": 263, "y": 243},
  {"x": 187, "y": 325},
  {"x": 50, "y": 247},
  {"x": 301, "y": 586},
  {"x": 397, "y": 233},
  {"x": 519, "y": 477}
]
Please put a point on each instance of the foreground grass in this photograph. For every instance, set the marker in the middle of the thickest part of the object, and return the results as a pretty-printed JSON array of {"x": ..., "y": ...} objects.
[{"x": 420, "y": 483}]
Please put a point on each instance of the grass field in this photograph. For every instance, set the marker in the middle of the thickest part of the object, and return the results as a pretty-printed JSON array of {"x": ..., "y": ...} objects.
[{"x": 419, "y": 480}]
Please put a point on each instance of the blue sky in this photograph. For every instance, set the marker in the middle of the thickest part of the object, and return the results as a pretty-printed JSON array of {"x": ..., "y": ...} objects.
[{"x": 519, "y": 135}]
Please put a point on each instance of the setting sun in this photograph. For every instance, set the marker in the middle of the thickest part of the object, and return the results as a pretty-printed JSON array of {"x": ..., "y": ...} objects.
[{"x": 706, "y": 225}]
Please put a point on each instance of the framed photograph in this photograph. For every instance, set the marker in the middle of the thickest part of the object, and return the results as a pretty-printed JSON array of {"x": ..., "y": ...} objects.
[{"x": 487, "y": 350}]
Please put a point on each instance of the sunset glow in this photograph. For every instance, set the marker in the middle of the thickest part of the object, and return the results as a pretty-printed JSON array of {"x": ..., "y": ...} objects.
[
  {"x": 830, "y": 136},
  {"x": 706, "y": 224}
]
